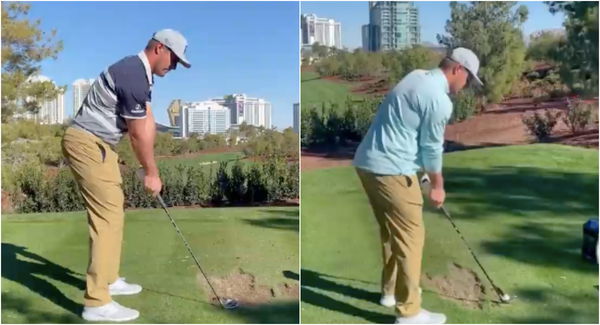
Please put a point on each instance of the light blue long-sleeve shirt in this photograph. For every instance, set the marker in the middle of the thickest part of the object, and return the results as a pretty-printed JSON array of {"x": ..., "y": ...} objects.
[{"x": 407, "y": 133}]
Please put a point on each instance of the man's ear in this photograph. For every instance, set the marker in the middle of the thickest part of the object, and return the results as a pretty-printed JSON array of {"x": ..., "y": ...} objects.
[{"x": 157, "y": 48}]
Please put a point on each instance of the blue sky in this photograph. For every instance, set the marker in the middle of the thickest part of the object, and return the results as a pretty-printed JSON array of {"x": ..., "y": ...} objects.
[
  {"x": 432, "y": 16},
  {"x": 234, "y": 47}
]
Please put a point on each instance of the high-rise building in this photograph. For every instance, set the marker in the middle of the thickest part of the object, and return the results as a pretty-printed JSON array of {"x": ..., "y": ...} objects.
[
  {"x": 253, "y": 111},
  {"x": 50, "y": 111},
  {"x": 324, "y": 31},
  {"x": 174, "y": 112},
  {"x": 206, "y": 117},
  {"x": 366, "y": 37},
  {"x": 80, "y": 89},
  {"x": 53, "y": 111},
  {"x": 297, "y": 117},
  {"x": 393, "y": 25}
]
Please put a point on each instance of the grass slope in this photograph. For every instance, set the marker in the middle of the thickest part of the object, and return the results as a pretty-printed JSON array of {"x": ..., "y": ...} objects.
[
  {"x": 521, "y": 208},
  {"x": 316, "y": 90},
  {"x": 198, "y": 160}
]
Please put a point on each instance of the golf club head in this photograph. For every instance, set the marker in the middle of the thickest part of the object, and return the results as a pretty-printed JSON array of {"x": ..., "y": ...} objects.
[
  {"x": 504, "y": 298},
  {"x": 229, "y": 303}
]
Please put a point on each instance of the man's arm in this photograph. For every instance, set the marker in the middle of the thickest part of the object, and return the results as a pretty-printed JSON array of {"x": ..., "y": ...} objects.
[
  {"x": 142, "y": 133},
  {"x": 431, "y": 147}
]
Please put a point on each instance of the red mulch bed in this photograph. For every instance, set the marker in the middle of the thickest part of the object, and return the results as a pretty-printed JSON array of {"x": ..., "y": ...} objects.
[{"x": 498, "y": 125}]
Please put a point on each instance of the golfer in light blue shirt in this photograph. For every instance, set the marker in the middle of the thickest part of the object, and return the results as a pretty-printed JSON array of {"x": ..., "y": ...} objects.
[{"x": 406, "y": 136}]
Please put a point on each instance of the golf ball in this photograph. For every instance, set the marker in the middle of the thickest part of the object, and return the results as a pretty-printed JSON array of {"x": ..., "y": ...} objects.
[{"x": 505, "y": 298}]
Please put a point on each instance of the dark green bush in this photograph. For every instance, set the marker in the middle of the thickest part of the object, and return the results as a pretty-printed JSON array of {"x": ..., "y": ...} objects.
[
  {"x": 541, "y": 125},
  {"x": 465, "y": 105},
  {"x": 37, "y": 190}
]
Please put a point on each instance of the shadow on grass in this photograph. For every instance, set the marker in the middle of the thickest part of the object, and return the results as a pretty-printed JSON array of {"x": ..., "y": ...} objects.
[
  {"x": 282, "y": 219},
  {"x": 163, "y": 293},
  {"x": 451, "y": 146},
  {"x": 556, "y": 312},
  {"x": 273, "y": 313},
  {"x": 312, "y": 297},
  {"x": 310, "y": 79},
  {"x": 28, "y": 314},
  {"x": 520, "y": 190},
  {"x": 546, "y": 244},
  {"x": 282, "y": 312},
  {"x": 291, "y": 275},
  {"x": 316, "y": 280},
  {"x": 28, "y": 269},
  {"x": 543, "y": 199}
]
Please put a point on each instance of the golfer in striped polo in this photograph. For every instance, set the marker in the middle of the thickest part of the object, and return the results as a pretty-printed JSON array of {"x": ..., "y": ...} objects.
[
  {"x": 117, "y": 103},
  {"x": 407, "y": 135}
]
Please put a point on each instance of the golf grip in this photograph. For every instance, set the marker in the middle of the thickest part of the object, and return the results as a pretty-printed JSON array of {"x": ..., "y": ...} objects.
[
  {"x": 164, "y": 206},
  {"x": 498, "y": 291}
]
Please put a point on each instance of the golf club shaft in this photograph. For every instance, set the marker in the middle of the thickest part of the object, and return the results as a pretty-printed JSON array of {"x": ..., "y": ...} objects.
[
  {"x": 498, "y": 291},
  {"x": 164, "y": 206}
]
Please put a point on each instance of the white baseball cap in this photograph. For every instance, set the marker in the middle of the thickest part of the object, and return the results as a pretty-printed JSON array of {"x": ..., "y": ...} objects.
[
  {"x": 467, "y": 59},
  {"x": 175, "y": 42}
]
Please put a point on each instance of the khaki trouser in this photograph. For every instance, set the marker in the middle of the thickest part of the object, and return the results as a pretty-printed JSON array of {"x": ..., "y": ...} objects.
[
  {"x": 397, "y": 203},
  {"x": 95, "y": 167}
]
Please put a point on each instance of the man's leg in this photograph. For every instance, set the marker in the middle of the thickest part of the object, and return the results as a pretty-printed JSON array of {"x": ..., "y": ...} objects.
[
  {"x": 96, "y": 170},
  {"x": 389, "y": 271},
  {"x": 400, "y": 201}
]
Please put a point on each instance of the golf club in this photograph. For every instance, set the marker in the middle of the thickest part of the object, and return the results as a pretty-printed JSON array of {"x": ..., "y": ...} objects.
[
  {"x": 504, "y": 298},
  {"x": 226, "y": 303}
]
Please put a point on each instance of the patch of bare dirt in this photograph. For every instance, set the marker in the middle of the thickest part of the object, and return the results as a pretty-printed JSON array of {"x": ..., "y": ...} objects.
[
  {"x": 459, "y": 284},
  {"x": 243, "y": 287},
  {"x": 378, "y": 86},
  {"x": 326, "y": 158},
  {"x": 501, "y": 124}
]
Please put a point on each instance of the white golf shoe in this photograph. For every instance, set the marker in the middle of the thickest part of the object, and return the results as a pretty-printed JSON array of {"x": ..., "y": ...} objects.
[
  {"x": 120, "y": 287},
  {"x": 111, "y": 312},
  {"x": 423, "y": 317},
  {"x": 390, "y": 300}
]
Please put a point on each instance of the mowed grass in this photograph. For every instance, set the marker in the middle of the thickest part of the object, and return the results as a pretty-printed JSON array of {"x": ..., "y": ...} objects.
[
  {"x": 316, "y": 90},
  {"x": 200, "y": 159},
  {"x": 521, "y": 208},
  {"x": 44, "y": 258}
]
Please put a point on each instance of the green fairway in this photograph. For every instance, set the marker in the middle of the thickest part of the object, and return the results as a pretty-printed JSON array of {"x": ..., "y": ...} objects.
[
  {"x": 44, "y": 257},
  {"x": 316, "y": 90},
  {"x": 211, "y": 159},
  {"x": 521, "y": 208}
]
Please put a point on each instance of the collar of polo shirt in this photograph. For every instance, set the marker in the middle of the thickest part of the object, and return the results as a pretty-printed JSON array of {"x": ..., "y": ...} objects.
[
  {"x": 146, "y": 63},
  {"x": 443, "y": 79}
]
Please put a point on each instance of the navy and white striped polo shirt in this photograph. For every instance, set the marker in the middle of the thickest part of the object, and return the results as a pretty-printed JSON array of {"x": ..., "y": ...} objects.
[{"x": 121, "y": 92}]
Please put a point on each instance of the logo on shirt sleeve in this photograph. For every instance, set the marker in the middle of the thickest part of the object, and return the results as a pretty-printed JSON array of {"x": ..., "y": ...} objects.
[{"x": 137, "y": 109}]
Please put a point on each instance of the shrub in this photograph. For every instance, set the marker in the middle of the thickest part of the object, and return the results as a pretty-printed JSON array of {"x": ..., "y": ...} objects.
[
  {"x": 541, "y": 125},
  {"x": 465, "y": 105},
  {"x": 219, "y": 186},
  {"x": 65, "y": 192},
  {"x": 38, "y": 190},
  {"x": 258, "y": 190},
  {"x": 135, "y": 193},
  {"x": 578, "y": 116},
  {"x": 333, "y": 125},
  {"x": 236, "y": 187},
  {"x": 30, "y": 189}
]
